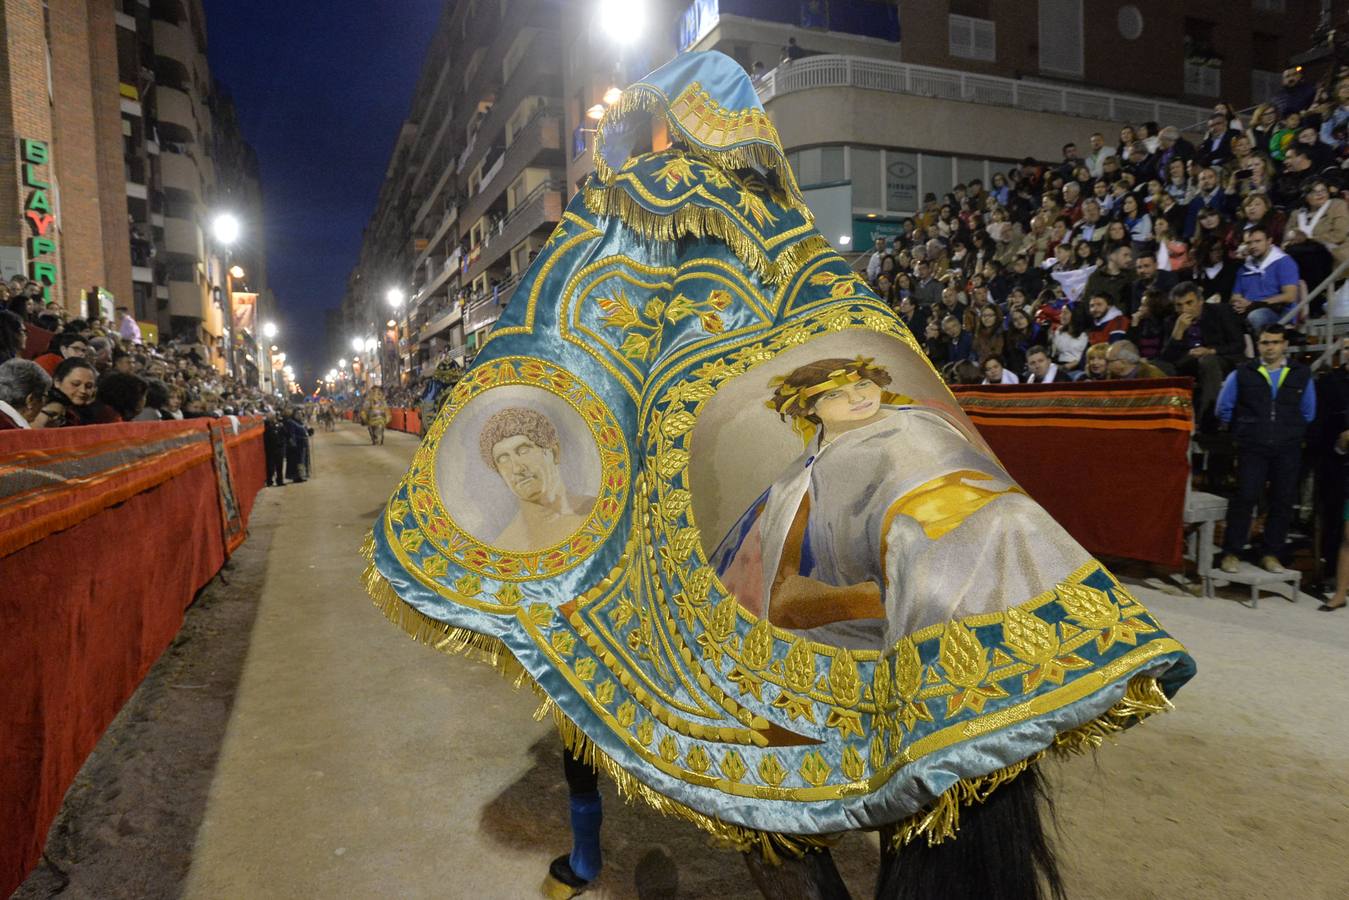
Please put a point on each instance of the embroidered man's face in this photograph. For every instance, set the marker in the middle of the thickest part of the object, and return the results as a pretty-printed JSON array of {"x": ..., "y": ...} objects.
[
  {"x": 853, "y": 402},
  {"x": 530, "y": 471}
]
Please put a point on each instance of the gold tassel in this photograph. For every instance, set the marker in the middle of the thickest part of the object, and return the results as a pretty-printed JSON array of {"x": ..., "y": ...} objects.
[{"x": 939, "y": 822}]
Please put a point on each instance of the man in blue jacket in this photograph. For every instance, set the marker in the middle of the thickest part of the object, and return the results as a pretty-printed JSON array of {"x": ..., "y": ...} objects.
[{"x": 1268, "y": 403}]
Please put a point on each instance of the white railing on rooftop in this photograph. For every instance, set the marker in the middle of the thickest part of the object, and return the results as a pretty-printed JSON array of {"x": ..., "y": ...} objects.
[{"x": 830, "y": 70}]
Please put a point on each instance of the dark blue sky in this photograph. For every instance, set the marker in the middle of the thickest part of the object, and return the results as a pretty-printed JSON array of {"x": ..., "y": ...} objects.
[{"x": 322, "y": 87}]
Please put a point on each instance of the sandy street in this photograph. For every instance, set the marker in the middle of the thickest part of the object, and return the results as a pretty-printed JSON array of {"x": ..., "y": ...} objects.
[{"x": 294, "y": 744}]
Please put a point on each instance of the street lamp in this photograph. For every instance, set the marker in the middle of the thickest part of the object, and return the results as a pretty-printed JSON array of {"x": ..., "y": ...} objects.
[
  {"x": 370, "y": 344},
  {"x": 341, "y": 363},
  {"x": 225, "y": 228},
  {"x": 623, "y": 20},
  {"x": 357, "y": 344},
  {"x": 269, "y": 330},
  {"x": 237, "y": 272},
  {"x": 395, "y": 297}
]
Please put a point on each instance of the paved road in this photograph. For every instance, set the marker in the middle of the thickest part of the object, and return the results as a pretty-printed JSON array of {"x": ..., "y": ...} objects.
[{"x": 355, "y": 763}]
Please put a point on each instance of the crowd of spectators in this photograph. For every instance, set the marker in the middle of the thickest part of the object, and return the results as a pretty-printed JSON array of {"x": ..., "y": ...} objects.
[
  {"x": 58, "y": 372},
  {"x": 1150, "y": 255}
]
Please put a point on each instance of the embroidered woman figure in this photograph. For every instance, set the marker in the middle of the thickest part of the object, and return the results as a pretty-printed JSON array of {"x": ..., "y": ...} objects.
[{"x": 868, "y": 536}]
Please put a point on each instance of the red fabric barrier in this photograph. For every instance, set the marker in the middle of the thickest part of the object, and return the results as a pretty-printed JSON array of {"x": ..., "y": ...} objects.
[
  {"x": 89, "y": 606},
  {"x": 1107, "y": 460},
  {"x": 405, "y": 419}
]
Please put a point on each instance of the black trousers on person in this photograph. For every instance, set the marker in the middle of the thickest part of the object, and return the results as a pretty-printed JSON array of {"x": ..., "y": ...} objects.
[
  {"x": 275, "y": 460},
  {"x": 294, "y": 457},
  {"x": 1257, "y": 465}
]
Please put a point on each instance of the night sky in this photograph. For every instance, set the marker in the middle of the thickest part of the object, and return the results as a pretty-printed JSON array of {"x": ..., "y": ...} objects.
[{"x": 322, "y": 87}]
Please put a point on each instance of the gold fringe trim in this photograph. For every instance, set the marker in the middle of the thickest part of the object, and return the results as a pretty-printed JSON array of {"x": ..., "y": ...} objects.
[
  {"x": 940, "y": 822},
  {"x": 638, "y": 99},
  {"x": 696, "y": 221}
]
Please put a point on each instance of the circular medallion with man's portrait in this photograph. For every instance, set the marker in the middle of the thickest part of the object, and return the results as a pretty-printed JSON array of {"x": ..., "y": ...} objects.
[{"x": 524, "y": 476}]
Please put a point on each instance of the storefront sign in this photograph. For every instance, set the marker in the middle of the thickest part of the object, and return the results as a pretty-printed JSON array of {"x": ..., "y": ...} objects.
[{"x": 37, "y": 210}]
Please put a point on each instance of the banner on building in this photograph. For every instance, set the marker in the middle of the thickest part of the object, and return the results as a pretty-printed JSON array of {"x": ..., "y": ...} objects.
[{"x": 245, "y": 311}]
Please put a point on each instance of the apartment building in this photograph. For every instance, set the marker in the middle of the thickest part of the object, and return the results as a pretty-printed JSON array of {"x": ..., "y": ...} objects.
[
  {"x": 186, "y": 161},
  {"x": 474, "y": 186}
]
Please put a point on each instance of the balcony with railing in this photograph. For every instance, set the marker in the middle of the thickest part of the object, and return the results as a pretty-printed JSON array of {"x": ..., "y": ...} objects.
[
  {"x": 179, "y": 171},
  {"x": 175, "y": 42},
  {"x": 540, "y": 207},
  {"x": 538, "y": 143},
  {"x": 830, "y": 71},
  {"x": 174, "y": 107}
]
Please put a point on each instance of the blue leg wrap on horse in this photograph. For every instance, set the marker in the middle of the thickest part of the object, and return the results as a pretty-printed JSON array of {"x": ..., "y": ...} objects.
[{"x": 586, "y": 816}]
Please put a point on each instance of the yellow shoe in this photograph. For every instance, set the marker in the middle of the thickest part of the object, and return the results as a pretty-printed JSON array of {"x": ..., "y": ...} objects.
[
  {"x": 1272, "y": 564},
  {"x": 561, "y": 883},
  {"x": 1230, "y": 564}
]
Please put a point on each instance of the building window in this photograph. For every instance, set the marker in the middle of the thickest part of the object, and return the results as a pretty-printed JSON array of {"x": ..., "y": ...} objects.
[
  {"x": 831, "y": 165},
  {"x": 1061, "y": 37},
  {"x": 972, "y": 38},
  {"x": 864, "y": 170},
  {"x": 1202, "y": 79},
  {"x": 1264, "y": 84}
]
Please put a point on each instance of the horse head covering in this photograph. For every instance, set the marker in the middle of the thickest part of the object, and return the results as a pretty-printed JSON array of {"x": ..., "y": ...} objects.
[{"x": 705, "y": 493}]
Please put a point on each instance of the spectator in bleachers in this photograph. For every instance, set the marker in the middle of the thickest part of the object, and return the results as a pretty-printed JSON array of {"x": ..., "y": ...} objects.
[
  {"x": 1210, "y": 195},
  {"x": 959, "y": 342},
  {"x": 1216, "y": 148},
  {"x": 1094, "y": 363},
  {"x": 1298, "y": 169},
  {"x": 1215, "y": 271},
  {"x": 927, "y": 290},
  {"x": 63, "y": 346},
  {"x": 1256, "y": 210},
  {"x": 1115, "y": 279},
  {"x": 1206, "y": 342},
  {"x": 1172, "y": 146},
  {"x": 1148, "y": 276},
  {"x": 23, "y": 395},
  {"x": 1124, "y": 360},
  {"x": 1148, "y": 324},
  {"x": 1336, "y": 120},
  {"x": 1108, "y": 321},
  {"x": 874, "y": 262},
  {"x": 1318, "y": 234},
  {"x": 989, "y": 338},
  {"x": 1295, "y": 95},
  {"x": 157, "y": 398},
  {"x": 1099, "y": 151},
  {"x": 13, "y": 335},
  {"x": 1267, "y": 285},
  {"x": 1070, "y": 337},
  {"x": 123, "y": 393},
  {"x": 1040, "y": 369},
  {"x": 996, "y": 373},
  {"x": 1269, "y": 402},
  {"x": 74, "y": 386}
]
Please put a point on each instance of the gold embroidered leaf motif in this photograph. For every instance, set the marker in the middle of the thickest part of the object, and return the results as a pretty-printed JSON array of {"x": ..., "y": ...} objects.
[
  {"x": 436, "y": 566},
  {"x": 681, "y": 307},
  {"x": 397, "y": 510},
  {"x": 671, "y": 462},
  {"x": 747, "y": 681},
  {"x": 814, "y": 769},
  {"x": 540, "y": 614},
  {"x": 719, "y": 300},
  {"x": 963, "y": 658},
  {"x": 654, "y": 309},
  {"x": 755, "y": 209},
  {"x": 510, "y": 595},
  {"x": 468, "y": 585},
  {"x": 626, "y": 714},
  {"x": 908, "y": 670},
  {"x": 733, "y": 766},
  {"x": 604, "y": 693},
  {"x": 682, "y": 544},
  {"x": 646, "y": 731},
  {"x": 711, "y": 323},
  {"x": 824, "y": 278},
  {"x": 676, "y": 171},
  {"x": 799, "y": 666},
  {"x": 618, "y": 312},
  {"x": 795, "y": 707},
  {"x": 585, "y": 668},
  {"x": 1028, "y": 636},
  {"x": 637, "y": 346},
  {"x": 1090, "y": 607},
  {"x": 669, "y": 748},
  {"x": 697, "y": 760},
  {"x": 854, "y": 767},
  {"x": 878, "y": 754},
  {"x": 722, "y": 622},
  {"x": 677, "y": 423},
  {"x": 758, "y": 649},
  {"x": 621, "y": 614},
  {"x": 674, "y": 504},
  {"x": 771, "y": 771},
  {"x": 847, "y": 721},
  {"x": 880, "y": 684},
  {"x": 699, "y": 581},
  {"x": 564, "y": 643},
  {"x": 844, "y": 682},
  {"x": 411, "y": 539}
]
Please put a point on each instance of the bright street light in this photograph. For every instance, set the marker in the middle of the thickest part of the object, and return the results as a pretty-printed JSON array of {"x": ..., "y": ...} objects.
[
  {"x": 370, "y": 344},
  {"x": 391, "y": 324},
  {"x": 395, "y": 297},
  {"x": 623, "y": 20},
  {"x": 225, "y": 228},
  {"x": 341, "y": 363},
  {"x": 269, "y": 330},
  {"x": 236, "y": 271},
  {"x": 357, "y": 344}
]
